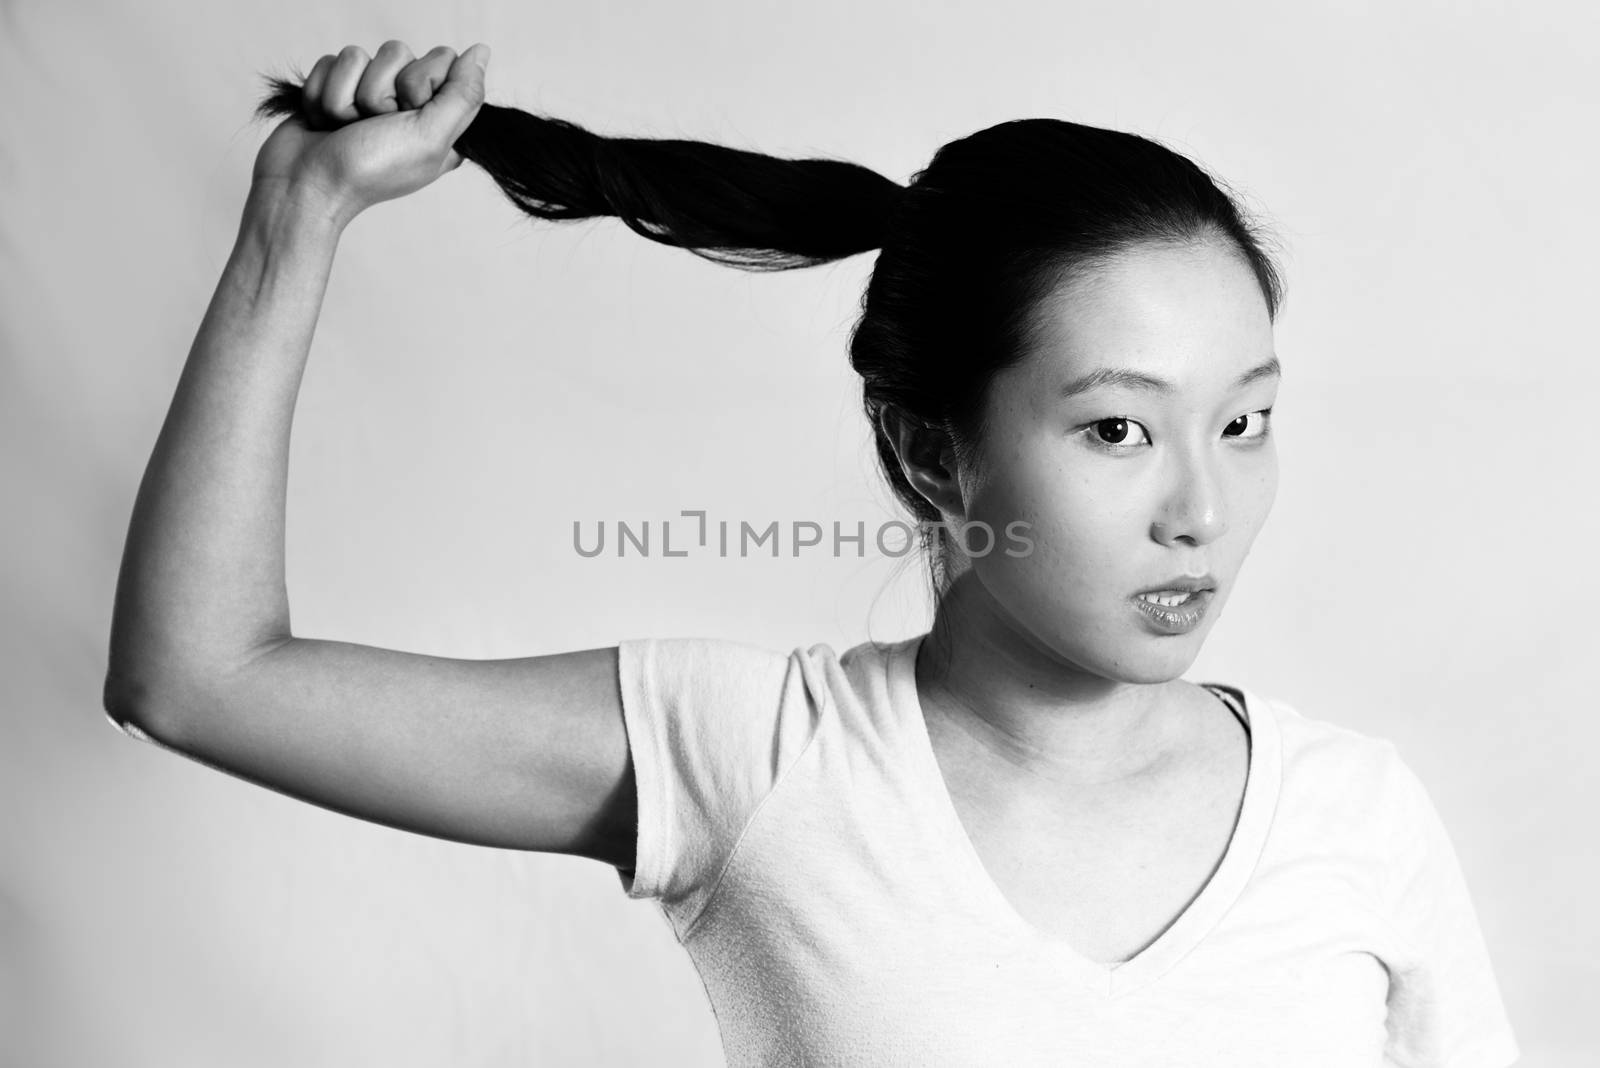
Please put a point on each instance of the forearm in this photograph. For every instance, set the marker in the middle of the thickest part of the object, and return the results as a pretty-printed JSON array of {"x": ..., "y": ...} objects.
[{"x": 202, "y": 578}]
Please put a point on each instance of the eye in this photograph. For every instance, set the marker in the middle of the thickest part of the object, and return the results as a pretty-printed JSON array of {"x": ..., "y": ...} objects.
[
  {"x": 1115, "y": 433},
  {"x": 1260, "y": 428}
]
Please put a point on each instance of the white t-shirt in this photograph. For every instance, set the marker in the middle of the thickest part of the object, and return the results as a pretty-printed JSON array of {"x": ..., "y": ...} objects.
[{"x": 796, "y": 832}]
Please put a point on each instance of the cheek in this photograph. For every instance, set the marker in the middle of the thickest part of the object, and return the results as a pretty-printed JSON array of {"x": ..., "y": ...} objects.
[
  {"x": 1080, "y": 528},
  {"x": 1258, "y": 494}
]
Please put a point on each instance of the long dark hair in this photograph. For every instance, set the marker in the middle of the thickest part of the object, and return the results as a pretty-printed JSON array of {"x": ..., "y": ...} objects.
[{"x": 996, "y": 222}]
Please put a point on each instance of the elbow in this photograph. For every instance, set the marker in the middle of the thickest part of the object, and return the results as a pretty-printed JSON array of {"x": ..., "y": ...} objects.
[
  {"x": 155, "y": 704},
  {"x": 122, "y": 700},
  {"x": 128, "y": 707},
  {"x": 128, "y": 726}
]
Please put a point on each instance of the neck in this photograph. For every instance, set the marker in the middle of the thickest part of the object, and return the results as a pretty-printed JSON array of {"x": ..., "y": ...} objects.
[{"x": 999, "y": 691}]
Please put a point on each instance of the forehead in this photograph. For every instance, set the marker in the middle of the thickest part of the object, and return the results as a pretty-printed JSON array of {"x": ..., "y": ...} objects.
[{"x": 1191, "y": 313}]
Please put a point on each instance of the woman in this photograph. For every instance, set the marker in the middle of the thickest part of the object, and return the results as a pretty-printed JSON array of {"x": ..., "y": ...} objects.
[{"x": 1021, "y": 838}]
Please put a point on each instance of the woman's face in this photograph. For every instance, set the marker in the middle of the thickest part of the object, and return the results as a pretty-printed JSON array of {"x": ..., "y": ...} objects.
[{"x": 1126, "y": 485}]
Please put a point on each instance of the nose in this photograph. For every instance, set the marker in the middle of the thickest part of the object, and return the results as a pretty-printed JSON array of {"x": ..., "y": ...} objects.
[{"x": 1193, "y": 510}]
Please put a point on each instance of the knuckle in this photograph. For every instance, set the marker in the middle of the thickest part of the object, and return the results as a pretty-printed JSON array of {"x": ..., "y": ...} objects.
[
  {"x": 374, "y": 99},
  {"x": 342, "y": 112},
  {"x": 411, "y": 93}
]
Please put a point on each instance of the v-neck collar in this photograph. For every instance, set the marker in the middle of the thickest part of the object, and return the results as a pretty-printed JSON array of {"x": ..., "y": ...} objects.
[{"x": 1192, "y": 925}]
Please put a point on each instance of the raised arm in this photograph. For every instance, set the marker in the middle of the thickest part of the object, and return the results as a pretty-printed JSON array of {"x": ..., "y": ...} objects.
[{"x": 526, "y": 753}]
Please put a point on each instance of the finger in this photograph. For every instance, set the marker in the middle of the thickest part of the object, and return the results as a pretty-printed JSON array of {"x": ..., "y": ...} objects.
[
  {"x": 416, "y": 83},
  {"x": 375, "y": 94},
  {"x": 339, "y": 95},
  {"x": 453, "y": 107},
  {"x": 311, "y": 94}
]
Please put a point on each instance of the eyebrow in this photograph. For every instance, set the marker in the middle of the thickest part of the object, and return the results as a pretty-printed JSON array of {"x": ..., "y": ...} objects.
[{"x": 1122, "y": 376}]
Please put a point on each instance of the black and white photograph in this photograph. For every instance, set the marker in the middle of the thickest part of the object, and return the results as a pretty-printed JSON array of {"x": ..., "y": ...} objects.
[{"x": 837, "y": 534}]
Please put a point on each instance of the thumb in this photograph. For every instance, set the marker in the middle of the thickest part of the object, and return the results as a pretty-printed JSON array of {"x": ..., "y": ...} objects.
[{"x": 451, "y": 109}]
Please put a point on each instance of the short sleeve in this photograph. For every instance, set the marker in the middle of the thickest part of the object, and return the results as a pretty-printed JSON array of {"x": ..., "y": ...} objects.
[
  {"x": 1444, "y": 1005},
  {"x": 712, "y": 727}
]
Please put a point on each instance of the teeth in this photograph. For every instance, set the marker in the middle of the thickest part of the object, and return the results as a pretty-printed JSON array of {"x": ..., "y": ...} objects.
[{"x": 1167, "y": 600}]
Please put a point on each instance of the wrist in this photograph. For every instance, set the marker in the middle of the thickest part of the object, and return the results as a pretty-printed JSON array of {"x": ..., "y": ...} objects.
[{"x": 282, "y": 204}]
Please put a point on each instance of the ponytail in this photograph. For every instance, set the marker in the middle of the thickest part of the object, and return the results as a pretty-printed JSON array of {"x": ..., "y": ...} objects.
[{"x": 733, "y": 207}]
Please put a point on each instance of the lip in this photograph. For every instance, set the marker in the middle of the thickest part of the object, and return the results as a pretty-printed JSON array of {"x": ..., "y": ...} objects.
[
  {"x": 1183, "y": 584},
  {"x": 1179, "y": 620}
]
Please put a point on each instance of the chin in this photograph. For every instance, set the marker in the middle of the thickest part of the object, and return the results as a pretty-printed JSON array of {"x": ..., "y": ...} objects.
[{"x": 1152, "y": 671}]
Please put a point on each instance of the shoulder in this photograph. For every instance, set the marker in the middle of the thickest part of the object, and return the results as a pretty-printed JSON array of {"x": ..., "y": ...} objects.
[
  {"x": 1343, "y": 776},
  {"x": 738, "y": 651},
  {"x": 1314, "y": 740},
  {"x": 707, "y": 668}
]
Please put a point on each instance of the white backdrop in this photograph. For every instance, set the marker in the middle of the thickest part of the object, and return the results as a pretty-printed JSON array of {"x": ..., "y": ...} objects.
[{"x": 478, "y": 382}]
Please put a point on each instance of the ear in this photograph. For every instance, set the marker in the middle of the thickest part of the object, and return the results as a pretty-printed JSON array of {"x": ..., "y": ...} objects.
[{"x": 927, "y": 458}]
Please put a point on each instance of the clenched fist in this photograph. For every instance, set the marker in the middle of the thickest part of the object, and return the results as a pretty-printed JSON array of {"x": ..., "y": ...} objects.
[{"x": 372, "y": 129}]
